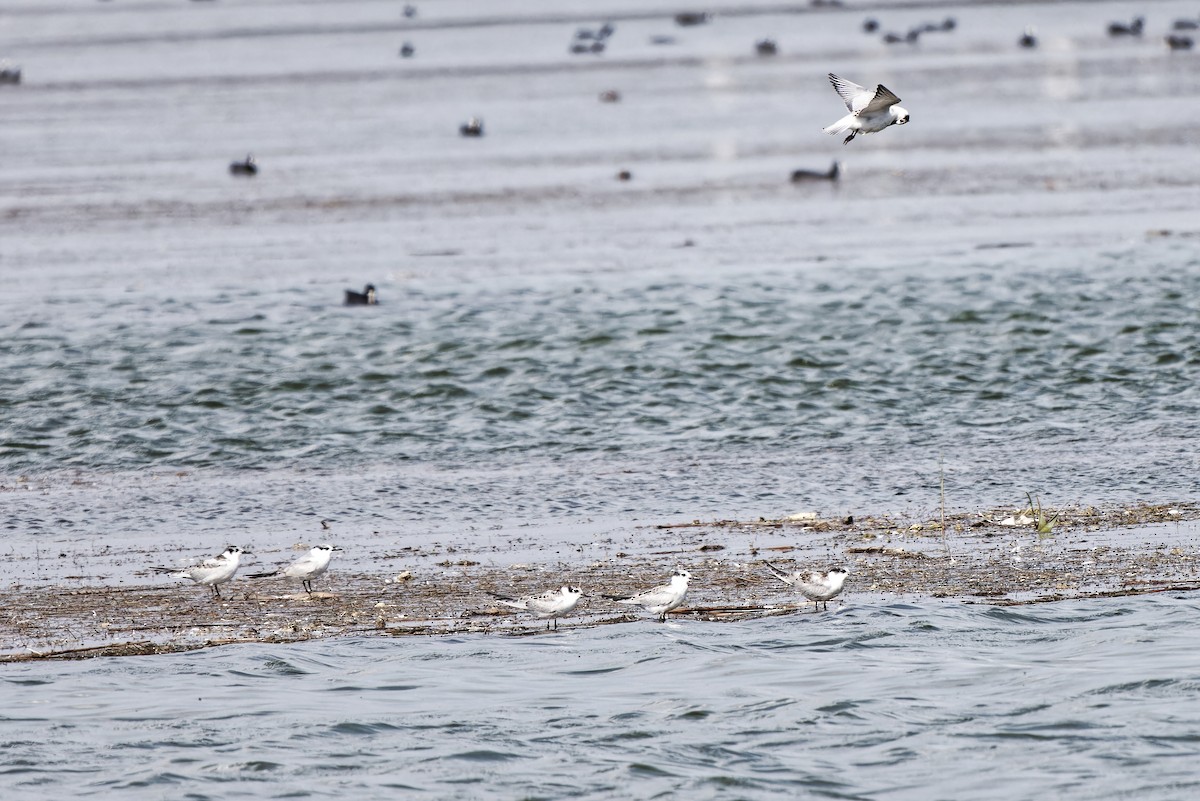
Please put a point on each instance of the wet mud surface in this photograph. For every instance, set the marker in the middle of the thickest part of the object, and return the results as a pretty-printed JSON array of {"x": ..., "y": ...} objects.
[{"x": 993, "y": 557}]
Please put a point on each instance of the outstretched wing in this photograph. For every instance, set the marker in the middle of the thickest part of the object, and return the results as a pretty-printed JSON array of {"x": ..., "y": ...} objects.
[
  {"x": 856, "y": 97},
  {"x": 882, "y": 100}
]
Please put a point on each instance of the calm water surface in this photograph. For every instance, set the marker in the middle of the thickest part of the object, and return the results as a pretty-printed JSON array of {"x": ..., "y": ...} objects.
[{"x": 902, "y": 701}]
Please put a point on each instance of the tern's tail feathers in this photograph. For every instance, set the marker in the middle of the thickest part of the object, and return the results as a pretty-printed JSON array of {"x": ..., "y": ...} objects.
[
  {"x": 841, "y": 126},
  {"x": 268, "y": 574}
]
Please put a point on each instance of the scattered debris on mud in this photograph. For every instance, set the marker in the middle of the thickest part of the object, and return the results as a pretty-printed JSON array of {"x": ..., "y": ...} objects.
[{"x": 994, "y": 558}]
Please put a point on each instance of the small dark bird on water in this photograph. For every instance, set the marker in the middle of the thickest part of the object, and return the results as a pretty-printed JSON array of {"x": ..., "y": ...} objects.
[
  {"x": 688, "y": 18},
  {"x": 610, "y": 96},
  {"x": 870, "y": 25},
  {"x": 247, "y": 167},
  {"x": 589, "y": 41},
  {"x": 407, "y": 50},
  {"x": 1185, "y": 25},
  {"x": 912, "y": 37},
  {"x": 832, "y": 174},
  {"x": 766, "y": 47},
  {"x": 945, "y": 26},
  {"x": 365, "y": 298},
  {"x": 9, "y": 74},
  {"x": 1177, "y": 42},
  {"x": 1134, "y": 28},
  {"x": 472, "y": 127},
  {"x": 1028, "y": 39}
]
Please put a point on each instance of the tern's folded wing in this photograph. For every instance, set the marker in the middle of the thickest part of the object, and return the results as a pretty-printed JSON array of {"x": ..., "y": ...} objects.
[
  {"x": 549, "y": 603},
  {"x": 543, "y": 602},
  {"x": 855, "y": 96},
  {"x": 817, "y": 591},
  {"x": 784, "y": 576},
  {"x": 655, "y": 597},
  {"x": 882, "y": 100},
  {"x": 305, "y": 564}
]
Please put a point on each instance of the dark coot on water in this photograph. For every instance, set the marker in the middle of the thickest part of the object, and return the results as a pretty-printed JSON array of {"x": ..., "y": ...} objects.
[
  {"x": 247, "y": 167},
  {"x": 832, "y": 174},
  {"x": 365, "y": 298}
]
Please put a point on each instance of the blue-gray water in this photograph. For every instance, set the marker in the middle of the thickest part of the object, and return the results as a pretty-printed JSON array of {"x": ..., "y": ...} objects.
[
  {"x": 1004, "y": 292},
  {"x": 833, "y": 388},
  {"x": 900, "y": 701}
]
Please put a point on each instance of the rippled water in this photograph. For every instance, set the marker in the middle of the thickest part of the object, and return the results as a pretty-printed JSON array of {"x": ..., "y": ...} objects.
[
  {"x": 899, "y": 701},
  {"x": 1075, "y": 374},
  {"x": 736, "y": 344}
]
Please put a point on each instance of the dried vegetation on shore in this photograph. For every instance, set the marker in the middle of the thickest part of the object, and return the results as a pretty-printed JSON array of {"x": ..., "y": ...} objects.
[{"x": 977, "y": 559}]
